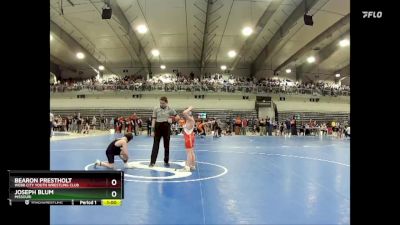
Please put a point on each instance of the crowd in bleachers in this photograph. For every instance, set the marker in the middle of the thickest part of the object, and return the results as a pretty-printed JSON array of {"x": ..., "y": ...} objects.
[
  {"x": 208, "y": 83},
  {"x": 77, "y": 124},
  {"x": 269, "y": 127},
  {"x": 203, "y": 127}
]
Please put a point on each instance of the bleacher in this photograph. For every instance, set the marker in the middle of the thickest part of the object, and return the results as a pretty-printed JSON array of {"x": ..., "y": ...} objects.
[
  {"x": 320, "y": 117},
  {"x": 145, "y": 113}
]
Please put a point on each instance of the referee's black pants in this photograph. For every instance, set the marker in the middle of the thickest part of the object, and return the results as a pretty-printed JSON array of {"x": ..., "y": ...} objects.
[{"x": 162, "y": 129}]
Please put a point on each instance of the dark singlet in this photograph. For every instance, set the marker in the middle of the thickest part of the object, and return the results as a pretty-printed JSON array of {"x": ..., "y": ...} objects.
[{"x": 112, "y": 149}]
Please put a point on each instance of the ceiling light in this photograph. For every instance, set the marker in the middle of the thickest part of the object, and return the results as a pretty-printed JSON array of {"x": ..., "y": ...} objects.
[
  {"x": 155, "y": 52},
  {"x": 232, "y": 53},
  {"x": 80, "y": 55},
  {"x": 247, "y": 31},
  {"x": 311, "y": 59},
  {"x": 142, "y": 29}
]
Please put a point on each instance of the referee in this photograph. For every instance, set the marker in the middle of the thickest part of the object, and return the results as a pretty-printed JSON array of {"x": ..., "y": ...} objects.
[{"x": 161, "y": 127}]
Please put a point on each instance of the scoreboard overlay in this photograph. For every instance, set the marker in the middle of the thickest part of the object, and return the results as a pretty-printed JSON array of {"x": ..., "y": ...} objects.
[{"x": 66, "y": 187}]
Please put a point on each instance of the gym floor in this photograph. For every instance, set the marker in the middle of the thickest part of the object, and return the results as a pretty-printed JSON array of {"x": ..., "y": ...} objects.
[{"x": 238, "y": 180}]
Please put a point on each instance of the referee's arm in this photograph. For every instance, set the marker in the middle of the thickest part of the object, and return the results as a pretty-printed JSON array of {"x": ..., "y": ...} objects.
[
  {"x": 153, "y": 120},
  {"x": 176, "y": 116}
]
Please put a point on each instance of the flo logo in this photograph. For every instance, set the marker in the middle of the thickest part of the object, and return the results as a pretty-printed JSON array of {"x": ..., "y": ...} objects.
[{"x": 372, "y": 14}]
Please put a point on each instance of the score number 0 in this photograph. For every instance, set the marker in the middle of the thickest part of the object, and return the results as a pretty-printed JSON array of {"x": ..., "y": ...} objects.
[{"x": 113, "y": 183}]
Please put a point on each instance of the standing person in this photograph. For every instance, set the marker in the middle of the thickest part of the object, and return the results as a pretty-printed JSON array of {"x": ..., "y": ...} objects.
[
  {"x": 340, "y": 130},
  {"x": 130, "y": 124},
  {"x": 281, "y": 128},
  {"x": 139, "y": 124},
  {"x": 238, "y": 125},
  {"x": 148, "y": 122},
  {"x": 117, "y": 126},
  {"x": 112, "y": 124},
  {"x": 201, "y": 129},
  {"x": 74, "y": 124},
  {"x": 105, "y": 123},
  {"x": 86, "y": 127},
  {"x": 94, "y": 120},
  {"x": 293, "y": 126},
  {"x": 79, "y": 123},
  {"x": 189, "y": 139},
  {"x": 161, "y": 126},
  {"x": 102, "y": 122},
  {"x": 68, "y": 123},
  {"x": 134, "y": 123},
  {"x": 217, "y": 128},
  {"x": 270, "y": 126},
  {"x": 262, "y": 127},
  {"x": 347, "y": 131},
  {"x": 244, "y": 126},
  {"x": 287, "y": 123},
  {"x": 51, "y": 123}
]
